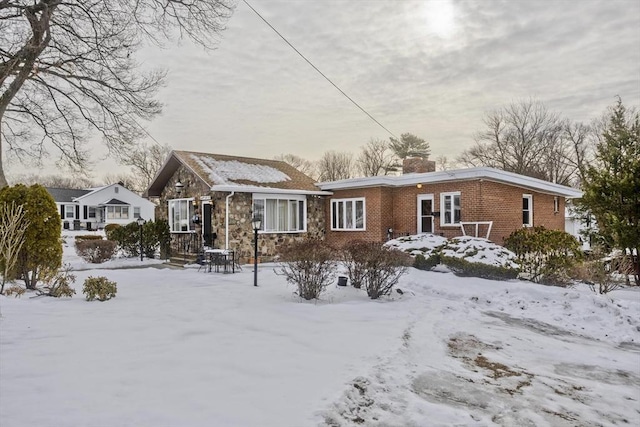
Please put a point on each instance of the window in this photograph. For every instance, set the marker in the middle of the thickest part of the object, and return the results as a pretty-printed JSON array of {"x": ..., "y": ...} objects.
[
  {"x": 348, "y": 214},
  {"x": 116, "y": 189},
  {"x": 70, "y": 211},
  {"x": 136, "y": 212},
  {"x": 180, "y": 213},
  {"x": 92, "y": 211},
  {"x": 527, "y": 210},
  {"x": 556, "y": 204},
  {"x": 281, "y": 214},
  {"x": 450, "y": 212},
  {"x": 117, "y": 212}
]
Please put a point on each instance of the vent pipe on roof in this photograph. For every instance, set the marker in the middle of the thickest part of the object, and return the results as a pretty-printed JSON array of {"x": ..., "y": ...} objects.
[{"x": 226, "y": 221}]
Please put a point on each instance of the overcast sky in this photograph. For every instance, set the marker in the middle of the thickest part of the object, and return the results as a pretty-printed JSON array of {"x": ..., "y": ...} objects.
[{"x": 432, "y": 68}]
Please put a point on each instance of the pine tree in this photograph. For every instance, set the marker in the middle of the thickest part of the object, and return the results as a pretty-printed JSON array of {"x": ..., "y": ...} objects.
[
  {"x": 410, "y": 145},
  {"x": 612, "y": 185}
]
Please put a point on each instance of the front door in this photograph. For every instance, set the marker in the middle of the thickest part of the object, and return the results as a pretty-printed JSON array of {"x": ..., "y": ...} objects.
[
  {"x": 207, "y": 232},
  {"x": 425, "y": 213}
]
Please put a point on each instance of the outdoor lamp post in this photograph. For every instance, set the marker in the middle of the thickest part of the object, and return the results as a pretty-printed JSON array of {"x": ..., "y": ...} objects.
[
  {"x": 179, "y": 187},
  {"x": 256, "y": 222},
  {"x": 140, "y": 224}
]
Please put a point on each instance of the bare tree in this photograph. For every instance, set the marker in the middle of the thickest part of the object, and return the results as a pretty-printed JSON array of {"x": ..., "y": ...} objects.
[
  {"x": 13, "y": 226},
  {"x": 410, "y": 145},
  {"x": 145, "y": 161},
  {"x": 305, "y": 166},
  {"x": 528, "y": 139},
  {"x": 56, "y": 181},
  {"x": 334, "y": 166},
  {"x": 443, "y": 163},
  {"x": 67, "y": 69},
  {"x": 128, "y": 180},
  {"x": 376, "y": 158}
]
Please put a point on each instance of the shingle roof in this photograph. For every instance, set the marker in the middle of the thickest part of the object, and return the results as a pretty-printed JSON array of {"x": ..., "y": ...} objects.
[
  {"x": 115, "y": 202},
  {"x": 65, "y": 195},
  {"x": 223, "y": 170}
]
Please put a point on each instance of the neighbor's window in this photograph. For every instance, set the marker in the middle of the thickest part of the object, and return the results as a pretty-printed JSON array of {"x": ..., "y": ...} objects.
[
  {"x": 70, "y": 211},
  {"x": 92, "y": 211},
  {"x": 117, "y": 212},
  {"x": 281, "y": 214},
  {"x": 527, "y": 210},
  {"x": 180, "y": 213},
  {"x": 450, "y": 212},
  {"x": 348, "y": 214},
  {"x": 136, "y": 212}
]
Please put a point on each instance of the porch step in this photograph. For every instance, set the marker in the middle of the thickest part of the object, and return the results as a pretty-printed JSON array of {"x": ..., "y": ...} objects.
[{"x": 182, "y": 260}]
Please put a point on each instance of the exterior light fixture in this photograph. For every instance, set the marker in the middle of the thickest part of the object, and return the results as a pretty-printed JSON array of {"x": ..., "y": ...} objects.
[
  {"x": 179, "y": 188},
  {"x": 256, "y": 223}
]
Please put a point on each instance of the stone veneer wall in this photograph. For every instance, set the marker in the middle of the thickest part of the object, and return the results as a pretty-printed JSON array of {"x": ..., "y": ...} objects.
[{"x": 241, "y": 234}]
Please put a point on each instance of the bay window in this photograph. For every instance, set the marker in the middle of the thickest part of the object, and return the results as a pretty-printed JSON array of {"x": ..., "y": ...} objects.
[
  {"x": 281, "y": 214},
  {"x": 348, "y": 214},
  {"x": 450, "y": 212}
]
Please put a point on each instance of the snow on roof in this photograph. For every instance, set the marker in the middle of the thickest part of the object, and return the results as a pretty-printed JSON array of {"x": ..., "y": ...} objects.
[{"x": 226, "y": 172}]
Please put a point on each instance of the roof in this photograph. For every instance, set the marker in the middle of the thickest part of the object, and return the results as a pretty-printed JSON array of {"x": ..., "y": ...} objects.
[
  {"x": 66, "y": 195},
  {"x": 232, "y": 173},
  {"x": 115, "y": 202},
  {"x": 489, "y": 174}
]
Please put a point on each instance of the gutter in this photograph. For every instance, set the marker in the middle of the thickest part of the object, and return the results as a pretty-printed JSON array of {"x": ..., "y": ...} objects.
[{"x": 226, "y": 221}]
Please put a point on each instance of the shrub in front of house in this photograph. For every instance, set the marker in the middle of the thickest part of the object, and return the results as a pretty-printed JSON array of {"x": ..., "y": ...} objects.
[
  {"x": 545, "y": 256},
  {"x": 96, "y": 251},
  {"x": 375, "y": 267},
  {"x": 155, "y": 236},
  {"x": 308, "y": 264},
  {"x": 87, "y": 237},
  {"x": 422, "y": 263},
  {"x": 15, "y": 290},
  {"x": 477, "y": 257},
  {"x": 41, "y": 252},
  {"x": 99, "y": 288},
  {"x": 110, "y": 228},
  {"x": 59, "y": 284}
]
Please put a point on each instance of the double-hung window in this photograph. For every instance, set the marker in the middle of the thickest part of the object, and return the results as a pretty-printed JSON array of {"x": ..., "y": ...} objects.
[
  {"x": 69, "y": 211},
  {"x": 92, "y": 212},
  {"x": 450, "y": 212},
  {"x": 280, "y": 213},
  {"x": 527, "y": 210},
  {"x": 348, "y": 214},
  {"x": 180, "y": 213},
  {"x": 136, "y": 212}
]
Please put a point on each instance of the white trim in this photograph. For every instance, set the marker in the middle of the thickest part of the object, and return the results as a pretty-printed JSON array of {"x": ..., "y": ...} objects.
[
  {"x": 486, "y": 173},
  {"x": 289, "y": 198},
  {"x": 267, "y": 190},
  {"x": 477, "y": 224},
  {"x": 530, "y": 210},
  {"x": 344, "y": 201},
  {"x": 420, "y": 198},
  {"x": 453, "y": 222}
]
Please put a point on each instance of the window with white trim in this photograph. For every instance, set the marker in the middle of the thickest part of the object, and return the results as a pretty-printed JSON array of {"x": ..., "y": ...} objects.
[
  {"x": 117, "y": 212},
  {"x": 92, "y": 212},
  {"x": 281, "y": 214},
  {"x": 180, "y": 213},
  {"x": 136, "y": 212},
  {"x": 556, "y": 204},
  {"x": 69, "y": 211},
  {"x": 348, "y": 214},
  {"x": 450, "y": 212},
  {"x": 527, "y": 210}
]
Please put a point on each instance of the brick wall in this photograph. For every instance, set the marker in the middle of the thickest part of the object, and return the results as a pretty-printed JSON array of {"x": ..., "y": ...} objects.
[{"x": 480, "y": 200}]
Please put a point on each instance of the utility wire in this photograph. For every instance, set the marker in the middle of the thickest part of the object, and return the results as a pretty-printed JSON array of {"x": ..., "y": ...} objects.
[{"x": 316, "y": 68}]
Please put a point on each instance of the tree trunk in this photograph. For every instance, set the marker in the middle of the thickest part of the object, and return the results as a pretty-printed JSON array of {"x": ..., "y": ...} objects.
[{"x": 3, "y": 180}]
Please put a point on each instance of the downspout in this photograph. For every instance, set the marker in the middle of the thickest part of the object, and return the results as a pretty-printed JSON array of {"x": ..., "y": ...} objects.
[{"x": 226, "y": 221}]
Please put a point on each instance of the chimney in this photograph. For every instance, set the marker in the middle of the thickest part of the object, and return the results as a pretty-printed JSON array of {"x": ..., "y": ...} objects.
[{"x": 418, "y": 165}]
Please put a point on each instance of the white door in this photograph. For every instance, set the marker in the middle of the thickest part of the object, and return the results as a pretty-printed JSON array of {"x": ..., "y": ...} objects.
[{"x": 425, "y": 213}]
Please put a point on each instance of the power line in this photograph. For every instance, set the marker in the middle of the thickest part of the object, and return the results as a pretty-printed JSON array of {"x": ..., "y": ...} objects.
[{"x": 319, "y": 72}]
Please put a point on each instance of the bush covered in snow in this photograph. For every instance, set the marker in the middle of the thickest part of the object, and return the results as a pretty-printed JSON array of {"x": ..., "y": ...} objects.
[
  {"x": 424, "y": 247},
  {"x": 309, "y": 265},
  {"x": 99, "y": 288},
  {"x": 478, "y": 257}
]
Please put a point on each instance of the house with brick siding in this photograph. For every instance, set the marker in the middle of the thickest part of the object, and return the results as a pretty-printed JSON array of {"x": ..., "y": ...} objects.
[
  {"x": 210, "y": 199},
  {"x": 481, "y": 201}
]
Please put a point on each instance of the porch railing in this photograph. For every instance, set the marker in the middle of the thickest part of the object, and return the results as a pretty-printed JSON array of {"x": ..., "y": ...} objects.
[{"x": 185, "y": 245}]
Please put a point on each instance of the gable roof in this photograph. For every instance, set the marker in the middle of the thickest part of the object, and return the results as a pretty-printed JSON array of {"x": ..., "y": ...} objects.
[
  {"x": 490, "y": 174},
  {"x": 114, "y": 202},
  {"x": 232, "y": 173},
  {"x": 65, "y": 195}
]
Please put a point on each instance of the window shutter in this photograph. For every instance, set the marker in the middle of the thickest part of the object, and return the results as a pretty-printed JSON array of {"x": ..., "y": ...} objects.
[
  {"x": 85, "y": 211},
  {"x": 62, "y": 211},
  {"x": 77, "y": 212}
]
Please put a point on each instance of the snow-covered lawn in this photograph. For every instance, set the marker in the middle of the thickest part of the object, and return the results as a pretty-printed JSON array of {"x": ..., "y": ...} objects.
[{"x": 187, "y": 348}]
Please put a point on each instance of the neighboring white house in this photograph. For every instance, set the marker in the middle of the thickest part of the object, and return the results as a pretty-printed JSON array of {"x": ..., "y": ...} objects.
[
  {"x": 576, "y": 224},
  {"x": 93, "y": 208}
]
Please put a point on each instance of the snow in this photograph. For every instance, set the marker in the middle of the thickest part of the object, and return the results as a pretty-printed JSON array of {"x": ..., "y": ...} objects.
[
  {"x": 479, "y": 250},
  {"x": 226, "y": 172},
  {"x": 424, "y": 244},
  {"x": 187, "y": 348}
]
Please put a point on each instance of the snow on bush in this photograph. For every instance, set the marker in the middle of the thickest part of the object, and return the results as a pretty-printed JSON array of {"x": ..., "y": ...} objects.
[
  {"x": 419, "y": 244},
  {"x": 478, "y": 257}
]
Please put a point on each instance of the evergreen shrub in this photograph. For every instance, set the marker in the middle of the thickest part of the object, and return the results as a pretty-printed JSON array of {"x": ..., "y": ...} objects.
[{"x": 99, "y": 288}]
